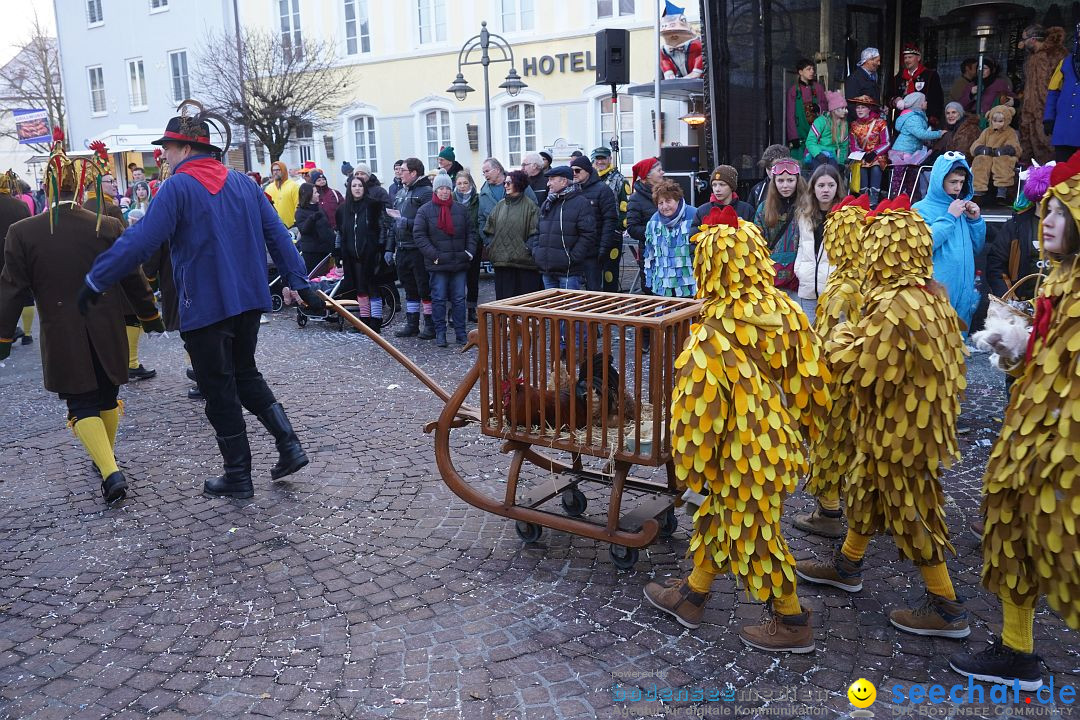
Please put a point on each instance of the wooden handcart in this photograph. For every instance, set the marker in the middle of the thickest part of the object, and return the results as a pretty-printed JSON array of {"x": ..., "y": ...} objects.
[{"x": 566, "y": 370}]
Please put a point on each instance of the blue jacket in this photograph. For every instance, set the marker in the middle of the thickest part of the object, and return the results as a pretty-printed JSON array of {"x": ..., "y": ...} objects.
[
  {"x": 956, "y": 239},
  {"x": 913, "y": 132},
  {"x": 1063, "y": 105},
  {"x": 217, "y": 243}
]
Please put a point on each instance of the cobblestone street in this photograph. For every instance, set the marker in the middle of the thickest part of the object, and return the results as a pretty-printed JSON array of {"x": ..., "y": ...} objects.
[{"x": 363, "y": 588}]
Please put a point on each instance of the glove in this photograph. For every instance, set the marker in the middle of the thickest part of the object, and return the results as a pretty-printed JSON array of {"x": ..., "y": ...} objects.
[
  {"x": 1006, "y": 150},
  {"x": 794, "y": 144},
  {"x": 87, "y": 297},
  {"x": 388, "y": 257},
  {"x": 155, "y": 325},
  {"x": 983, "y": 150},
  {"x": 1048, "y": 127},
  {"x": 346, "y": 168},
  {"x": 5, "y": 349},
  {"x": 311, "y": 299}
]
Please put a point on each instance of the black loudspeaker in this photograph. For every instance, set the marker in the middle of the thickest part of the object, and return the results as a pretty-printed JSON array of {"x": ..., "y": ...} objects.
[
  {"x": 680, "y": 158},
  {"x": 613, "y": 57}
]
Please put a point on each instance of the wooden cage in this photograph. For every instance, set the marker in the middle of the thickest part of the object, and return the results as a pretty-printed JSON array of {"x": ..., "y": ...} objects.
[{"x": 566, "y": 369}]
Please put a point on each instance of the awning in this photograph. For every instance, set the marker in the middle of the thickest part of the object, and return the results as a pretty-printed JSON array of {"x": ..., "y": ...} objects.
[
  {"x": 683, "y": 89},
  {"x": 39, "y": 159}
]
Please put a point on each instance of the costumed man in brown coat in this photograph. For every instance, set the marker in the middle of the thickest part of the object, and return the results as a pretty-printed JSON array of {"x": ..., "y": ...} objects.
[
  {"x": 83, "y": 358},
  {"x": 1046, "y": 47}
]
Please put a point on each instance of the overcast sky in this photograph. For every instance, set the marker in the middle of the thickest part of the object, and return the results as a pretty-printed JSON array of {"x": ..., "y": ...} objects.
[{"x": 18, "y": 18}]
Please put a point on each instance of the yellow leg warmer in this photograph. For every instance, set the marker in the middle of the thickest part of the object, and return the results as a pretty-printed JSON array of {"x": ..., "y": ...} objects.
[
  {"x": 133, "y": 334},
  {"x": 787, "y": 605},
  {"x": 937, "y": 580},
  {"x": 830, "y": 500},
  {"x": 91, "y": 432},
  {"x": 27, "y": 319},
  {"x": 855, "y": 546},
  {"x": 111, "y": 420},
  {"x": 701, "y": 579},
  {"x": 1019, "y": 621}
]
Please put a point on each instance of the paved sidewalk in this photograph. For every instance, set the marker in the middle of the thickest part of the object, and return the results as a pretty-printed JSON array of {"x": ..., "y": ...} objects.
[{"x": 363, "y": 588}]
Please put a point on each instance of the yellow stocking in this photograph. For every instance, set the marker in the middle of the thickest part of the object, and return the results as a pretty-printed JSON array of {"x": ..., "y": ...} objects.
[
  {"x": 111, "y": 419},
  {"x": 855, "y": 546},
  {"x": 787, "y": 605},
  {"x": 133, "y": 334},
  {"x": 1018, "y": 620},
  {"x": 27, "y": 319},
  {"x": 937, "y": 580},
  {"x": 91, "y": 432},
  {"x": 830, "y": 500}
]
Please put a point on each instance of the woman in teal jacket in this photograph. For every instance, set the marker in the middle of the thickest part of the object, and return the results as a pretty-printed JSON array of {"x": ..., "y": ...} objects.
[{"x": 958, "y": 228}]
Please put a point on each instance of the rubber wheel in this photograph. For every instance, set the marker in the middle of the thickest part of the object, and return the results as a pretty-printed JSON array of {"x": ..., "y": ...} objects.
[
  {"x": 301, "y": 319},
  {"x": 276, "y": 303},
  {"x": 669, "y": 523},
  {"x": 574, "y": 502},
  {"x": 529, "y": 532},
  {"x": 624, "y": 558},
  {"x": 391, "y": 303}
]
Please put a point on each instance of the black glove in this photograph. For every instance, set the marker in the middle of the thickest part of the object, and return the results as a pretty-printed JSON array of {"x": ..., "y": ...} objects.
[
  {"x": 5, "y": 349},
  {"x": 794, "y": 144},
  {"x": 1006, "y": 150},
  {"x": 1048, "y": 127},
  {"x": 983, "y": 150},
  {"x": 87, "y": 297},
  {"x": 153, "y": 325},
  {"x": 311, "y": 299},
  {"x": 346, "y": 168}
]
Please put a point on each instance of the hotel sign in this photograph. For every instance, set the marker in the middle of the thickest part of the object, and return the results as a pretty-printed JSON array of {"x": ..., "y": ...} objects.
[{"x": 575, "y": 62}]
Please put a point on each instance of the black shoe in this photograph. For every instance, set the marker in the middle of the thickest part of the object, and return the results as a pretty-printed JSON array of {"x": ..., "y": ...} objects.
[
  {"x": 373, "y": 322},
  {"x": 114, "y": 487},
  {"x": 291, "y": 456},
  {"x": 27, "y": 340},
  {"x": 141, "y": 373},
  {"x": 195, "y": 394},
  {"x": 236, "y": 482},
  {"x": 428, "y": 332},
  {"x": 1003, "y": 196},
  {"x": 412, "y": 326},
  {"x": 462, "y": 339},
  {"x": 472, "y": 315},
  {"x": 440, "y": 339},
  {"x": 190, "y": 372},
  {"x": 1000, "y": 664}
]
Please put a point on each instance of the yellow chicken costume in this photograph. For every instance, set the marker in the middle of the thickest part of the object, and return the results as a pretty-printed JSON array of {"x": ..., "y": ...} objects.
[
  {"x": 748, "y": 384},
  {"x": 903, "y": 363},
  {"x": 1031, "y": 502},
  {"x": 841, "y": 301}
]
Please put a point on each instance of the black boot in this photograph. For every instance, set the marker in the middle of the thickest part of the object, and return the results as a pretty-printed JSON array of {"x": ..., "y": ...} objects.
[
  {"x": 472, "y": 315},
  {"x": 373, "y": 322},
  {"x": 114, "y": 487},
  {"x": 428, "y": 333},
  {"x": 412, "y": 326},
  {"x": 291, "y": 456},
  {"x": 236, "y": 482}
]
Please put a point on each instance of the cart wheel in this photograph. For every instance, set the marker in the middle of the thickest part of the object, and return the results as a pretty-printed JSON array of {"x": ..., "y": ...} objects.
[
  {"x": 276, "y": 303},
  {"x": 624, "y": 558},
  {"x": 301, "y": 319},
  {"x": 669, "y": 523},
  {"x": 574, "y": 502},
  {"x": 529, "y": 532}
]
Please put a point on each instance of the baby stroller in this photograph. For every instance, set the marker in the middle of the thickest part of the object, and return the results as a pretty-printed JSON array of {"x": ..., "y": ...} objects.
[{"x": 326, "y": 276}]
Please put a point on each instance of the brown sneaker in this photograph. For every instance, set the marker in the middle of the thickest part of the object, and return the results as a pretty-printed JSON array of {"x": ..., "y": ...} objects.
[
  {"x": 936, "y": 617},
  {"x": 839, "y": 573},
  {"x": 826, "y": 523},
  {"x": 975, "y": 527},
  {"x": 780, "y": 633},
  {"x": 676, "y": 598}
]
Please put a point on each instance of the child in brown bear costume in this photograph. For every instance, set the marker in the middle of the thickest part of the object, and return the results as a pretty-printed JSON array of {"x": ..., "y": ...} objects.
[{"x": 996, "y": 151}]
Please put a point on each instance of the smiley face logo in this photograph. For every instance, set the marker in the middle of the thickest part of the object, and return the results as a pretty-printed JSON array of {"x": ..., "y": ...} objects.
[{"x": 862, "y": 693}]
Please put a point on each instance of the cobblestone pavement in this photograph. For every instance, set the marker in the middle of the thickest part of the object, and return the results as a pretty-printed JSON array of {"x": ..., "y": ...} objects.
[{"x": 364, "y": 588}]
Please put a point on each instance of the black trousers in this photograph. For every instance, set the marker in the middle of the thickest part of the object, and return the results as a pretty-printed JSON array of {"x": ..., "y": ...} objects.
[
  {"x": 472, "y": 281},
  {"x": 312, "y": 259},
  {"x": 223, "y": 357},
  {"x": 93, "y": 402},
  {"x": 413, "y": 275},
  {"x": 511, "y": 282}
]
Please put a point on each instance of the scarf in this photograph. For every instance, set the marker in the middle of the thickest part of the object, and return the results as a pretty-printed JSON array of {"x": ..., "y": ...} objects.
[
  {"x": 209, "y": 172},
  {"x": 671, "y": 222},
  {"x": 464, "y": 199},
  {"x": 550, "y": 200},
  {"x": 446, "y": 220},
  {"x": 910, "y": 78}
]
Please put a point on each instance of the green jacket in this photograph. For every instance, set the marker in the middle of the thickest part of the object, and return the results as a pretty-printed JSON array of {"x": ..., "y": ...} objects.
[
  {"x": 821, "y": 140},
  {"x": 512, "y": 225}
]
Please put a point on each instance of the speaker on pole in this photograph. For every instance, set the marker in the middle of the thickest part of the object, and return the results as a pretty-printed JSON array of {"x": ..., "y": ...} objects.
[{"x": 613, "y": 57}]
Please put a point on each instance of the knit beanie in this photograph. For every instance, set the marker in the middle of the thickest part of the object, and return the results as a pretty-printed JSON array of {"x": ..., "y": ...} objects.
[
  {"x": 582, "y": 162},
  {"x": 772, "y": 154},
  {"x": 362, "y": 167},
  {"x": 315, "y": 175},
  {"x": 447, "y": 153},
  {"x": 725, "y": 174},
  {"x": 442, "y": 180},
  {"x": 642, "y": 168},
  {"x": 913, "y": 99}
]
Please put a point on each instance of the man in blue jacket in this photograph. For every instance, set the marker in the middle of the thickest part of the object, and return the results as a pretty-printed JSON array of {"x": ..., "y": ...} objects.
[{"x": 219, "y": 226}]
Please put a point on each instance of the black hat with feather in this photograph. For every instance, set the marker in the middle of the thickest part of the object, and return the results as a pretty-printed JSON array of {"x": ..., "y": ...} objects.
[{"x": 192, "y": 126}]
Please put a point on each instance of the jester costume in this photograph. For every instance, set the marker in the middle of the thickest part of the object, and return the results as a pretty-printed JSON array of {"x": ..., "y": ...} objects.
[
  {"x": 902, "y": 362},
  {"x": 748, "y": 385},
  {"x": 842, "y": 301},
  {"x": 1030, "y": 488}
]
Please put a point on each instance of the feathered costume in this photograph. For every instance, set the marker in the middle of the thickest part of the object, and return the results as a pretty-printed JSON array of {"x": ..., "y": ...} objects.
[
  {"x": 842, "y": 301},
  {"x": 904, "y": 364},
  {"x": 748, "y": 384},
  {"x": 1031, "y": 502}
]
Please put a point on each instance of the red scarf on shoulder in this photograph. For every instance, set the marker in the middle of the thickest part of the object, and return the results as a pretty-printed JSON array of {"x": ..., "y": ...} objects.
[
  {"x": 446, "y": 220},
  {"x": 209, "y": 172}
]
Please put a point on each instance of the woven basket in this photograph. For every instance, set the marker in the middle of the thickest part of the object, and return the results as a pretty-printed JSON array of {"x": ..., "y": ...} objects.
[{"x": 1003, "y": 301}]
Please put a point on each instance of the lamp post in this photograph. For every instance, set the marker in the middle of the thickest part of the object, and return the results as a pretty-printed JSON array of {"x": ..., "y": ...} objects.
[{"x": 483, "y": 42}]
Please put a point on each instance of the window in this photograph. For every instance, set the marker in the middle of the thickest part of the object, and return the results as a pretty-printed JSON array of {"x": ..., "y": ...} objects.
[
  {"x": 97, "y": 89},
  {"x": 517, "y": 15},
  {"x": 607, "y": 8},
  {"x": 181, "y": 87},
  {"x": 93, "y": 13},
  {"x": 432, "y": 20},
  {"x": 357, "y": 29},
  {"x": 159, "y": 5},
  {"x": 292, "y": 43},
  {"x": 626, "y": 126},
  {"x": 364, "y": 135},
  {"x": 136, "y": 84},
  {"x": 520, "y": 130},
  {"x": 437, "y": 127}
]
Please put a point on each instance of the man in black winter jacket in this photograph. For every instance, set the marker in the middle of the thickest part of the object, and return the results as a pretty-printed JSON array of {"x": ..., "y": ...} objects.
[
  {"x": 608, "y": 228},
  {"x": 567, "y": 238},
  {"x": 1014, "y": 254},
  {"x": 415, "y": 192}
]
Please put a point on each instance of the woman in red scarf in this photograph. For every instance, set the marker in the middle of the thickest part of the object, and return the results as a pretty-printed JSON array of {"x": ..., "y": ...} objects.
[{"x": 446, "y": 236}]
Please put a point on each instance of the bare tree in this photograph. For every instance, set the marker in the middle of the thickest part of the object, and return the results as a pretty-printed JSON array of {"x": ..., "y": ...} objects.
[
  {"x": 32, "y": 80},
  {"x": 271, "y": 86}
]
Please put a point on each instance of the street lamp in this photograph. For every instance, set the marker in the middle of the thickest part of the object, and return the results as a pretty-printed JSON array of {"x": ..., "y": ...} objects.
[{"x": 483, "y": 42}]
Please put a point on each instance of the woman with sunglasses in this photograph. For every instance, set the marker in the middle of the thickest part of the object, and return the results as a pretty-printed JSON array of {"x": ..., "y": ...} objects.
[{"x": 776, "y": 218}]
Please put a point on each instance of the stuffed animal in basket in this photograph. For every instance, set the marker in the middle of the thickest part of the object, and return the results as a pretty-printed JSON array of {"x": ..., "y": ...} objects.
[{"x": 1007, "y": 326}]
